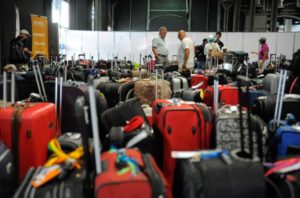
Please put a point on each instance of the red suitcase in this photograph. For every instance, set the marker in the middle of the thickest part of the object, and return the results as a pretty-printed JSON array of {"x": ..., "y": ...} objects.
[
  {"x": 112, "y": 183},
  {"x": 184, "y": 127},
  {"x": 26, "y": 129},
  {"x": 199, "y": 81},
  {"x": 228, "y": 95}
]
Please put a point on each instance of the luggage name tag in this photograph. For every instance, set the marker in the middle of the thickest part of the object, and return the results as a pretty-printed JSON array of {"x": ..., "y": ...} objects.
[{"x": 46, "y": 174}]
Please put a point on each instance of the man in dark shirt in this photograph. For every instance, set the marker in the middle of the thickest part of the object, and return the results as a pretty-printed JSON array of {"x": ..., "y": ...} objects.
[
  {"x": 218, "y": 41},
  {"x": 20, "y": 49},
  {"x": 199, "y": 53}
]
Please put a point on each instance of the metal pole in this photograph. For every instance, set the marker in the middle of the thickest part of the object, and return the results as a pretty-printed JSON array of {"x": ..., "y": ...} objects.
[
  {"x": 4, "y": 89},
  {"x": 148, "y": 14},
  {"x": 13, "y": 81},
  {"x": 274, "y": 14},
  {"x": 236, "y": 15},
  {"x": 251, "y": 15}
]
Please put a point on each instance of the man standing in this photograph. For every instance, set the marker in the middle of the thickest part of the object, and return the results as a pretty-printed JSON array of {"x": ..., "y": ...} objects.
[
  {"x": 160, "y": 48},
  {"x": 186, "y": 52},
  {"x": 218, "y": 41},
  {"x": 199, "y": 53},
  {"x": 20, "y": 48}
]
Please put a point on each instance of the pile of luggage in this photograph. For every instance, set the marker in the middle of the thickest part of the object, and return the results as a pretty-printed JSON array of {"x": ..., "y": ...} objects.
[{"x": 120, "y": 132}]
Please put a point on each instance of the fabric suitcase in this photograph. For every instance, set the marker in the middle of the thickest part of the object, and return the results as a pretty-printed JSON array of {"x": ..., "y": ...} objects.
[
  {"x": 199, "y": 81},
  {"x": 71, "y": 91},
  {"x": 143, "y": 180},
  {"x": 189, "y": 95},
  {"x": 218, "y": 174},
  {"x": 116, "y": 92},
  {"x": 228, "y": 130},
  {"x": 193, "y": 133},
  {"x": 144, "y": 90},
  {"x": 116, "y": 74},
  {"x": 283, "y": 178},
  {"x": 7, "y": 181},
  {"x": 264, "y": 106},
  {"x": 227, "y": 95},
  {"x": 26, "y": 130}
]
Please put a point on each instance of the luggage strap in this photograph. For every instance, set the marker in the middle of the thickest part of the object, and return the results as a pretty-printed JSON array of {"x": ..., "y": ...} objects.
[
  {"x": 293, "y": 84},
  {"x": 284, "y": 166}
]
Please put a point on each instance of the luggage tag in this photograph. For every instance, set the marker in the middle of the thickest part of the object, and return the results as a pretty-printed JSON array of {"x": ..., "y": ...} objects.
[{"x": 46, "y": 174}]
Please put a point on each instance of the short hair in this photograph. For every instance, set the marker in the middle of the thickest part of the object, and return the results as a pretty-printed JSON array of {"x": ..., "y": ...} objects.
[
  {"x": 163, "y": 28},
  {"x": 218, "y": 32},
  {"x": 263, "y": 39},
  {"x": 204, "y": 40}
]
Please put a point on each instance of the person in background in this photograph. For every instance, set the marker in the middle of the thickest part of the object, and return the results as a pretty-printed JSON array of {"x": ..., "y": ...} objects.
[
  {"x": 263, "y": 54},
  {"x": 160, "y": 48},
  {"x": 20, "y": 49},
  {"x": 186, "y": 52},
  {"x": 199, "y": 53},
  {"x": 218, "y": 41},
  {"x": 211, "y": 45}
]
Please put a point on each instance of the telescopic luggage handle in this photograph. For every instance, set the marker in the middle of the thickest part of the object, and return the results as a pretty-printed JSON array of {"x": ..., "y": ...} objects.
[
  {"x": 13, "y": 82},
  {"x": 250, "y": 130},
  {"x": 161, "y": 68},
  {"x": 95, "y": 126}
]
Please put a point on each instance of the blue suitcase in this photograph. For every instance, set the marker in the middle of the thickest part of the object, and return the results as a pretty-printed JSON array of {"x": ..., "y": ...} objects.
[{"x": 288, "y": 140}]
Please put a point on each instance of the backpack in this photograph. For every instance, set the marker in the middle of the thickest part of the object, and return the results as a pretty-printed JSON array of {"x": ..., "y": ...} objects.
[{"x": 17, "y": 54}]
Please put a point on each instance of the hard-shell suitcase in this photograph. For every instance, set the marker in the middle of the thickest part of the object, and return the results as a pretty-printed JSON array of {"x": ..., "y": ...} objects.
[
  {"x": 179, "y": 83},
  {"x": 76, "y": 183},
  {"x": 7, "y": 180},
  {"x": 26, "y": 129},
  {"x": 183, "y": 127}
]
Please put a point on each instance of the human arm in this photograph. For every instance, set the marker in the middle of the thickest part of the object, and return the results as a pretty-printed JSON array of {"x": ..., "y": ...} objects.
[
  {"x": 186, "y": 57},
  {"x": 154, "y": 48}
]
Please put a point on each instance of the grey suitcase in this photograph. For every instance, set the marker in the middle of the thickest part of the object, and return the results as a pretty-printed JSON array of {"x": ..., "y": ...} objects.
[
  {"x": 270, "y": 83},
  {"x": 179, "y": 83}
]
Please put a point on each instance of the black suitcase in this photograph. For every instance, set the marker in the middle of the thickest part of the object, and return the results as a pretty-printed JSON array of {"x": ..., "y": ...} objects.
[
  {"x": 264, "y": 106},
  {"x": 72, "y": 90},
  {"x": 7, "y": 176},
  {"x": 116, "y": 92}
]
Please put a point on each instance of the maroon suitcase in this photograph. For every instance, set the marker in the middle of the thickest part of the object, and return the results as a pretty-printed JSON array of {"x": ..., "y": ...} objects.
[{"x": 26, "y": 129}]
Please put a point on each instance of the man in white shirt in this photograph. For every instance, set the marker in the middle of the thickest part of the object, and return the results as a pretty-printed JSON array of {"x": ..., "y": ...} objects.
[
  {"x": 186, "y": 52},
  {"x": 160, "y": 48}
]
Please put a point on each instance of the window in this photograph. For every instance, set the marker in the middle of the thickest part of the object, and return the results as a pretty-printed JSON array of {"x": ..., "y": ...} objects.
[{"x": 60, "y": 13}]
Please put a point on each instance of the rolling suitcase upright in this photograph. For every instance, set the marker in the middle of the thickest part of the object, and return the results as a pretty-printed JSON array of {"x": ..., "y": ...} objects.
[
  {"x": 220, "y": 173},
  {"x": 127, "y": 172},
  {"x": 70, "y": 182},
  {"x": 26, "y": 129},
  {"x": 228, "y": 95}
]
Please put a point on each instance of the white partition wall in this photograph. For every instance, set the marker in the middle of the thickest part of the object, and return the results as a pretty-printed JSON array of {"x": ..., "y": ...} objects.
[{"x": 102, "y": 45}]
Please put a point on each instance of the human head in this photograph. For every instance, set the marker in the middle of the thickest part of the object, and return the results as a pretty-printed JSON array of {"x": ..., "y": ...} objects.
[
  {"x": 218, "y": 35},
  {"x": 24, "y": 34},
  {"x": 181, "y": 35},
  {"x": 204, "y": 41},
  {"x": 262, "y": 40},
  {"x": 163, "y": 32}
]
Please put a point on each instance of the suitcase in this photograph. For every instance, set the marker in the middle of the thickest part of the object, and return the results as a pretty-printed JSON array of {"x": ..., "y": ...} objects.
[
  {"x": 76, "y": 182},
  {"x": 199, "y": 81},
  {"x": 7, "y": 179},
  {"x": 217, "y": 174},
  {"x": 70, "y": 91},
  {"x": 228, "y": 95},
  {"x": 116, "y": 92},
  {"x": 283, "y": 179},
  {"x": 144, "y": 180},
  {"x": 127, "y": 173},
  {"x": 192, "y": 134},
  {"x": 21, "y": 126},
  {"x": 179, "y": 83},
  {"x": 189, "y": 95}
]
